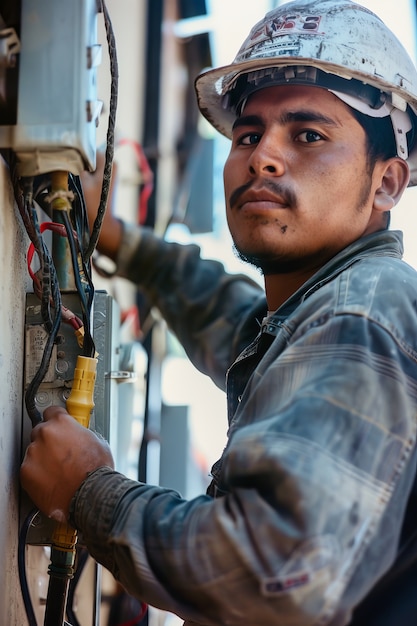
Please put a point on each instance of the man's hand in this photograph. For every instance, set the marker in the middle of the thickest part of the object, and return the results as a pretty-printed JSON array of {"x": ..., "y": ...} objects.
[{"x": 60, "y": 457}]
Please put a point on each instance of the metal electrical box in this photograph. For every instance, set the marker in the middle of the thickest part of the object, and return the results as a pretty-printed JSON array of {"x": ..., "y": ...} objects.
[
  {"x": 56, "y": 385},
  {"x": 57, "y": 110}
]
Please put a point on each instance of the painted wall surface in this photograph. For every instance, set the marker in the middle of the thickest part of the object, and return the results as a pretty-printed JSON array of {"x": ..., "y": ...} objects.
[{"x": 13, "y": 245}]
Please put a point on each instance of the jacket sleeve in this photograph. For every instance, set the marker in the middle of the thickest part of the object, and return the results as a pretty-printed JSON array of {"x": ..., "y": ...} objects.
[
  {"x": 202, "y": 303},
  {"x": 317, "y": 471}
]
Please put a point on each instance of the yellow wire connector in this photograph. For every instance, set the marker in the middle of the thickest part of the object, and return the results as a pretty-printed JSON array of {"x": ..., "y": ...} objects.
[
  {"x": 60, "y": 196},
  {"x": 81, "y": 399}
]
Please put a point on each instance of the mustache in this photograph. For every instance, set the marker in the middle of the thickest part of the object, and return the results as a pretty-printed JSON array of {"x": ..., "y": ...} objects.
[{"x": 277, "y": 188}]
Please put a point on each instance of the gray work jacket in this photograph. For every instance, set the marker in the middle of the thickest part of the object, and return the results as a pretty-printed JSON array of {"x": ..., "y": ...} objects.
[{"x": 305, "y": 512}]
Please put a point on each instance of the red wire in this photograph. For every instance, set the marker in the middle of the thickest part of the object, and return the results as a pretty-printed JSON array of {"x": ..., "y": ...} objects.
[
  {"x": 70, "y": 318},
  {"x": 59, "y": 229},
  {"x": 147, "y": 176},
  {"x": 135, "y": 621},
  {"x": 67, "y": 315}
]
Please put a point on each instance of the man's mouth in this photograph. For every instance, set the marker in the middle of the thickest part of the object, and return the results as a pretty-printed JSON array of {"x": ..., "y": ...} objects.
[
  {"x": 269, "y": 195},
  {"x": 261, "y": 200}
]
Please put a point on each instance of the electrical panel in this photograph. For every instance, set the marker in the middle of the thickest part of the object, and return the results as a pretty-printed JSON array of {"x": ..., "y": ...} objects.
[
  {"x": 56, "y": 384},
  {"x": 48, "y": 87}
]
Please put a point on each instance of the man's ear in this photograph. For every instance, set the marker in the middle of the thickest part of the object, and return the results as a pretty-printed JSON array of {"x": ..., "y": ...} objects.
[{"x": 394, "y": 177}]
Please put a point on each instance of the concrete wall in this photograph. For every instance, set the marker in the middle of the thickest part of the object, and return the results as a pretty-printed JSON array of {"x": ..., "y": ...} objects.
[{"x": 13, "y": 245}]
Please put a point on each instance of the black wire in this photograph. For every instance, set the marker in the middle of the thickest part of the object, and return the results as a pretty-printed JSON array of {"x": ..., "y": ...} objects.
[
  {"x": 89, "y": 286},
  {"x": 51, "y": 316},
  {"x": 32, "y": 227},
  {"x": 21, "y": 560},
  {"x": 46, "y": 272},
  {"x": 33, "y": 386},
  {"x": 79, "y": 214},
  {"x": 88, "y": 344},
  {"x": 81, "y": 227},
  {"x": 56, "y": 599},
  {"x": 75, "y": 266},
  {"x": 82, "y": 558},
  {"x": 95, "y": 233}
]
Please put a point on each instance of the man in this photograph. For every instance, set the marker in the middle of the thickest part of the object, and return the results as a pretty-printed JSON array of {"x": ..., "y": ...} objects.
[{"x": 310, "y": 518}]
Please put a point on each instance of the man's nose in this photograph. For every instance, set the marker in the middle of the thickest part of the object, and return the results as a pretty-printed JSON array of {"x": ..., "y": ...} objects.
[{"x": 267, "y": 158}]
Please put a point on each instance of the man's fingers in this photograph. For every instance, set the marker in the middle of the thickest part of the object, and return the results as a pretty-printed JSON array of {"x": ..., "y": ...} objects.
[{"x": 54, "y": 412}]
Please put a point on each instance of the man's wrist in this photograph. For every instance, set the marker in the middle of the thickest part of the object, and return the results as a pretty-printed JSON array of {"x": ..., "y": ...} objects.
[{"x": 73, "y": 504}]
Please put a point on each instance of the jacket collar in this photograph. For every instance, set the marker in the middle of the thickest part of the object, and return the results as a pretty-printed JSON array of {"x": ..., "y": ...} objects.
[{"x": 381, "y": 243}]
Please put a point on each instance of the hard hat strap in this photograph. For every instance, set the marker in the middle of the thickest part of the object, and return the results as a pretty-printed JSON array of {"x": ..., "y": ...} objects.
[{"x": 401, "y": 122}]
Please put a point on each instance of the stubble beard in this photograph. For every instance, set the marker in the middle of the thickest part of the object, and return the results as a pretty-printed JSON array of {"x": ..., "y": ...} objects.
[
  {"x": 279, "y": 264},
  {"x": 287, "y": 263}
]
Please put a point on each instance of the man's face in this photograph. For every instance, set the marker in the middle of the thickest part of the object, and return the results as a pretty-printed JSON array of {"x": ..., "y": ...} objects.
[{"x": 297, "y": 182}]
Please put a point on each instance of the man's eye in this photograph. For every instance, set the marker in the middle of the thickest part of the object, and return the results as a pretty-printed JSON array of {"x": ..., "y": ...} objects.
[
  {"x": 309, "y": 136},
  {"x": 249, "y": 139}
]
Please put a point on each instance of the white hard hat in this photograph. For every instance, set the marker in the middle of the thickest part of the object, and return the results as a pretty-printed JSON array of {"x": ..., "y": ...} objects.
[{"x": 335, "y": 44}]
